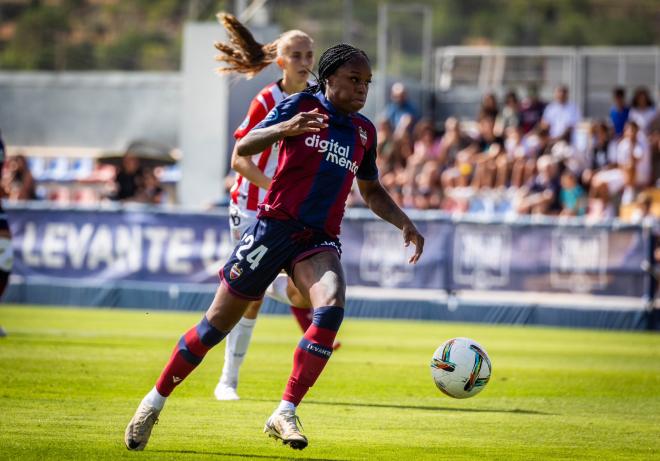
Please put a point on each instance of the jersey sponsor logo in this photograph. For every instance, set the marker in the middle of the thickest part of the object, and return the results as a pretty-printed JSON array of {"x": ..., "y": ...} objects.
[
  {"x": 363, "y": 136},
  {"x": 334, "y": 152},
  {"x": 235, "y": 272}
]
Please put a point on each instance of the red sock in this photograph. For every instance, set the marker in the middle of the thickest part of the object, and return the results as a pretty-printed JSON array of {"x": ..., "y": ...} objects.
[
  {"x": 303, "y": 316},
  {"x": 187, "y": 354},
  {"x": 313, "y": 352}
]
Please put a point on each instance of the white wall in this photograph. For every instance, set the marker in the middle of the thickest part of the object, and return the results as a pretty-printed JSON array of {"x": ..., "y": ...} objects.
[{"x": 212, "y": 107}]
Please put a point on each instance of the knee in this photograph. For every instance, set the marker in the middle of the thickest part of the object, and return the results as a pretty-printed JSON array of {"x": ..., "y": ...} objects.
[{"x": 329, "y": 291}]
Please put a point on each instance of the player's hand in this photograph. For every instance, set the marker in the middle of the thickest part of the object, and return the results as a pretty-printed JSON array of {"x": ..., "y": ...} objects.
[
  {"x": 412, "y": 235},
  {"x": 305, "y": 122}
]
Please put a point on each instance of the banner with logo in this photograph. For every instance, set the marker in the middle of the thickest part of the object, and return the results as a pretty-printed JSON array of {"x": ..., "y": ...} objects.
[{"x": 149, "y": 246}]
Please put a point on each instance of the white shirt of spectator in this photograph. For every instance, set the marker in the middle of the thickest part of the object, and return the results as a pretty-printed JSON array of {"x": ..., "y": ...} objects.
[
  {"x": 640, "y": 151},
  {"x": 642, "y": 117},
  {"x": 560, "y": 117}
]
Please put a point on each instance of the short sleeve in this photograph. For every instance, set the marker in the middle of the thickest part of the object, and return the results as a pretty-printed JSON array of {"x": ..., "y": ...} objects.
[
  {"x": 368, "y": 169},
  {"x": 256, "y": 113},
  {"x": 285, "y": 110}
]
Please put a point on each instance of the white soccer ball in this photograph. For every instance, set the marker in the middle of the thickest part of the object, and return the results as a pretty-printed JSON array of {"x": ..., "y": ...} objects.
[{"x": 460, "y": 368}]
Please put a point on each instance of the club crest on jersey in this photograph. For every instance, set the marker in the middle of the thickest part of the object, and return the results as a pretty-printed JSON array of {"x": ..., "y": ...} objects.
[
  {"x": 272, "y": 115},
  {"x": 235, "y": 272},
  {"x": 363, "y": 136}
]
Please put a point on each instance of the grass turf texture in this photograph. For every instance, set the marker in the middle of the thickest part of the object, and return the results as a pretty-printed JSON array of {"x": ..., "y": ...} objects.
[{"x": 72, "y": 379}]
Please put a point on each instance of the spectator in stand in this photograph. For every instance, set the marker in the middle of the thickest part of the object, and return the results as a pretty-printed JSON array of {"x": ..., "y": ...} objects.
[
  {"x": 18, "y": 180},
  {"x": 619, "y": 111},
  {"x": 386, "y": 144},
  {"x": 541, "y": 194},
  {"x": 601, "y": 151},
  {"x": 452, "y": 142},
  {"x": 531, "y": 110},
  {"x": 654, "y": 146},
  {"x": 129, "y": 178},
  {"x": 487, "y": 135},
  {"x": 632, "y": 154},
  {"x": 642, "y": 109},
  {"x": 400, "y": 110},
  {"x": 561, "y": 116},
  {"x": 572, "y": 196},
  {"x": 510, "y": 115},
  {"x": 150, "y": 191},
  {"x": 630, "y": 172},
  {"x": 426, "y": 145},
  {"x": 489, "y": 107}
]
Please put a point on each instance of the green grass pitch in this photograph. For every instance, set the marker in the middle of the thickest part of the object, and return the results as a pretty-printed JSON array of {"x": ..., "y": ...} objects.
[{"x": 72, "y": 378}]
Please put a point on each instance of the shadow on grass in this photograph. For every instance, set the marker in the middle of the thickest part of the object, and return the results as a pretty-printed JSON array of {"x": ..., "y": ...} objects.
[
  {"x": 416, "y": 407},
  {"x": 238, "y": 455}
]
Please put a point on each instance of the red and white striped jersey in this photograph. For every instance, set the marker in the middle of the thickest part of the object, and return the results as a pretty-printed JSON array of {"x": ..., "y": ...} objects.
[{"x": 243, "y": 193}]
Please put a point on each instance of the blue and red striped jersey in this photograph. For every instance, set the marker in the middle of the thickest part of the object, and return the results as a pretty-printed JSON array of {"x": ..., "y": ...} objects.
[{"x": 315, "y": 171}]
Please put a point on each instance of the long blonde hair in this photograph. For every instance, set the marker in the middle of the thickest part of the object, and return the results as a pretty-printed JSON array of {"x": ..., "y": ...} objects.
[{"x": 242, "y": 54}]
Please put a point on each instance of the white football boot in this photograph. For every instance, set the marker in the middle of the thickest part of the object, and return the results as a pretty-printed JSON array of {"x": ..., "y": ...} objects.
[
  {"x": 139, "y": 428},
  {"x": 225, "y": 391},
  {"x": 283, "y": 425}
]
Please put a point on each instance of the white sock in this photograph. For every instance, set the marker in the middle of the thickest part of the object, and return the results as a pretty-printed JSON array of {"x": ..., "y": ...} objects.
[
  {"x": 154, "y": 399},
  {"x": 237, "y": 343},
  {"x": 277, "y": 289},
  {"x": 285, "y": 405}
]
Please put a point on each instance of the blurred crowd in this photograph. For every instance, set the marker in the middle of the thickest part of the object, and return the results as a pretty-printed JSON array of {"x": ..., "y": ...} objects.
[
  {"x": 516, "y": 156},
  {"x": 524, "y": 156},
  {"x": 126, "y": 178}
]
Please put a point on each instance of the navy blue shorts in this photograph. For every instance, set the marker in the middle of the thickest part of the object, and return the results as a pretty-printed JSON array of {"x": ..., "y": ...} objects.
[{"x": 268, "y": 247}]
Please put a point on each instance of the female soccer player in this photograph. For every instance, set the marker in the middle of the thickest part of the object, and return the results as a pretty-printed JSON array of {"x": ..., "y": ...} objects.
[
  {"x": 293, "y": 53},
  {"x": 324, "y": 145}
]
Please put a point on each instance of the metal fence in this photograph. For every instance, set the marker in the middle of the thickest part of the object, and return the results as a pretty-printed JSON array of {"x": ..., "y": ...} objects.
[{"x": 463, "y": 74}]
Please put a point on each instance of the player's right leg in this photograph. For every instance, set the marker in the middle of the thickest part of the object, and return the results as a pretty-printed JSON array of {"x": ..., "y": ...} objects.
[{"x": 224, "y": 312}]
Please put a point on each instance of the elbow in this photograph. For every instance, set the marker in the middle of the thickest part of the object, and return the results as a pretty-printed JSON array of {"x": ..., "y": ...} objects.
[
  {"x": 235, "y": 159},
  {"x": 239, "y": 151}
]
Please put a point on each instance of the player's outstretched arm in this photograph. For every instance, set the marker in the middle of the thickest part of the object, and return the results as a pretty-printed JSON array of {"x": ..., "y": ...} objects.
[
  {"x": 379, "y": 201},
  {"x": 259, "y": 139}
]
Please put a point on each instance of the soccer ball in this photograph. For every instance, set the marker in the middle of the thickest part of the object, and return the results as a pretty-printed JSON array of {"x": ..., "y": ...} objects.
[{"x": 460, "y": 368}]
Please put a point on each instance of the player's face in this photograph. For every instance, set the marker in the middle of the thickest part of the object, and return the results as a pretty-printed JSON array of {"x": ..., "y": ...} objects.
[
  {"x": 347, "y": 88},
  {"x": 297, "y": 59}
]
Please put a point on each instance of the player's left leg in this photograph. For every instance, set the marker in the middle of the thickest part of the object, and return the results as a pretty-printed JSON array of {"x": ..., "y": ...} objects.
[
  {"x": 320, "y": 279},
  {"x": 301, "y": 308}
]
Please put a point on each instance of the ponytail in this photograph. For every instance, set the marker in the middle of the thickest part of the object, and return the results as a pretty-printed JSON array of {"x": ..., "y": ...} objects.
[{"x": 242, "y": 54}]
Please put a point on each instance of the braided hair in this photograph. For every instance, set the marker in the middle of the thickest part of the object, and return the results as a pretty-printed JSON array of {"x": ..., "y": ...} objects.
[
  {"x": 331, "y": 60},
  {"x": 243, "y": 54}
]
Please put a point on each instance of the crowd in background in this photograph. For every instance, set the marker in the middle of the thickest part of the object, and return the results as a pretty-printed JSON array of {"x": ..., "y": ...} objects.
[
  {"x": 63, "y": 181},
  {"x": 517, "y": 156},
  {"x": 523, "y": 156}
]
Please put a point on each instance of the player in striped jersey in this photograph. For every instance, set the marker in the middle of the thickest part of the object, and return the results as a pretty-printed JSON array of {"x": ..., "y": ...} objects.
[{"x": 293, "y": 53}]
